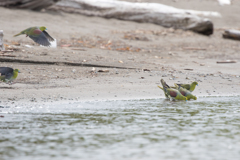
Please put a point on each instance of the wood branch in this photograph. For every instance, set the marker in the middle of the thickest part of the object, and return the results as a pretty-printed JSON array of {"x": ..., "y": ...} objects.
[
  {"x": 1, "y": 41},
  {"x": 14, "y": 60},
  {"x": 6, "y": 51},
  {"x": 160, "y": 14},
  {"x": 227, "y": 61},
  {"x": 78, "y": 49},
  {"x": 7, "y": 55},
  {"x": 103, "y": 70},
  {"x": 193, "y": 48},
  {"x": 232, "y": 34},
  {"x": 27, "y": 4}
]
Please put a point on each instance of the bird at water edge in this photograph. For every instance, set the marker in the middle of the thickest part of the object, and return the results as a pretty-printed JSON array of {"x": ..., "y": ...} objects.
[
  {"x": 185, "y": 92},
  {"x": 170, "y": 92},
  {"x": 189, "y": 87}
]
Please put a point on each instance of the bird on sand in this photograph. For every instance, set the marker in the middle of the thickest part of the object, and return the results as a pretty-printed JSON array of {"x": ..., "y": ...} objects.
[
  {"x": 8, "y": 75},
  {"x": 189, "y": 87},
  {"x": 185, "y": 92},
  {"x": 170, "y": 92},
  {"x": 38, "y": 35}
]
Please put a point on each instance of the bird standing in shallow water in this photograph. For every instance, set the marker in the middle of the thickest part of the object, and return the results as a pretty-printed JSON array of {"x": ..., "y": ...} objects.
[
  {"x": 171, "y": 93},
  {"x": 8, "y": 75},
  {"x": 38, "y": 35},
  {"x": 185, "y": 92}
]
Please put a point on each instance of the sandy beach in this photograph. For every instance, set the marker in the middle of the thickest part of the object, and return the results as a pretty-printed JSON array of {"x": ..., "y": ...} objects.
[{"x": 135, "y": 55}]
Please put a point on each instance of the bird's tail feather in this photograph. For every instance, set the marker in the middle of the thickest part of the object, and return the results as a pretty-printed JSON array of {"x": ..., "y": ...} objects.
[
  {"x": 18, "y": 34},
  {"x": 160, "y": 88}
]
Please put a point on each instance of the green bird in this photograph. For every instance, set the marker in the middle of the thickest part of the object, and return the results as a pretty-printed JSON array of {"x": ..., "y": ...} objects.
[
  {"x": 8, "y": 75},
  {"x": 38, "y": 35},
  {"x": 166, "y": 95},
  {"x": 185, "y": 92},
  {"x": 189, "y": 87},
  {"x": 171, "y": 93}
]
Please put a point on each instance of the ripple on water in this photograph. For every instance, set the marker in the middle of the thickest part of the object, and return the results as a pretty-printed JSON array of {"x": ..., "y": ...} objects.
[{"x": 208, "y": 128}]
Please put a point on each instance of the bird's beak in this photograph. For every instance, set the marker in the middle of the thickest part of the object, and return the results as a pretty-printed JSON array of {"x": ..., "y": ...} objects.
[
  {"x": 46, "y": 29},
  {"x": 19, "y": 72}
]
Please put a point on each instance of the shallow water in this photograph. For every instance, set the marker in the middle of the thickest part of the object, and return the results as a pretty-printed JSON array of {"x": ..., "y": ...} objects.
[{"x": 208, "y": 128}]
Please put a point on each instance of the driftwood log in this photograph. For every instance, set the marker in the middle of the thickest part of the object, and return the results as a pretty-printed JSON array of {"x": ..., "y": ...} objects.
[
  {"x": 27, "y": 4},
  {"x": 160, "y": 14},
  {"x": 1, "y": 41},
  {"x": 232, "y": 34}
]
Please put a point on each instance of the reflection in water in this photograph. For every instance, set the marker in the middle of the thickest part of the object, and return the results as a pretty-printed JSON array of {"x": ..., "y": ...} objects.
[{"x": 208, "y": 128}]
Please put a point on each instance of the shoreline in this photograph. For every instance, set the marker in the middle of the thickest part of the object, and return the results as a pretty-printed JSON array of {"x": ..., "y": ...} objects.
[{"x": 75, "y": 102}]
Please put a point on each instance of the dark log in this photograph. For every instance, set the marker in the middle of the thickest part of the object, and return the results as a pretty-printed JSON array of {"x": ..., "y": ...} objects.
[{"x": 28, "y": 4}]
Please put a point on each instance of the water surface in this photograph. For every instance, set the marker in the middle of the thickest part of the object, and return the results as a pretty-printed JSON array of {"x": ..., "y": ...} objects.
[{"x": 208, "y": 128}]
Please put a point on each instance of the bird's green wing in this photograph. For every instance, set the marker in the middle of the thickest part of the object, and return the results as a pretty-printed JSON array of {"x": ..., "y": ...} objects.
[
  {"x": 48, "y": 36},
  {"x": 186, "y": 92},
  {"x": 172, "y": 92},
  {"x": 182, "y": 90},
  {"x": 186, "y": 86}
]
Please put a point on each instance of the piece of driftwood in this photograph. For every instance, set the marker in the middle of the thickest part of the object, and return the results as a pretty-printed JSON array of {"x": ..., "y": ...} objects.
[
  {"x": 193, "y": 48},
  {"x": 1, "y": 41},
  {"x": 103, "y": 70},
  {"x": 227, "y": 61},
  {"x": 160, "y": 14},
  {"x": 6, "y": 51},
  {"x": 189, "y": 69},
  {"x": 232, "y": 34},
  {"x": 7, "y": 55},
  {"x": 27, "y": 4}
]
